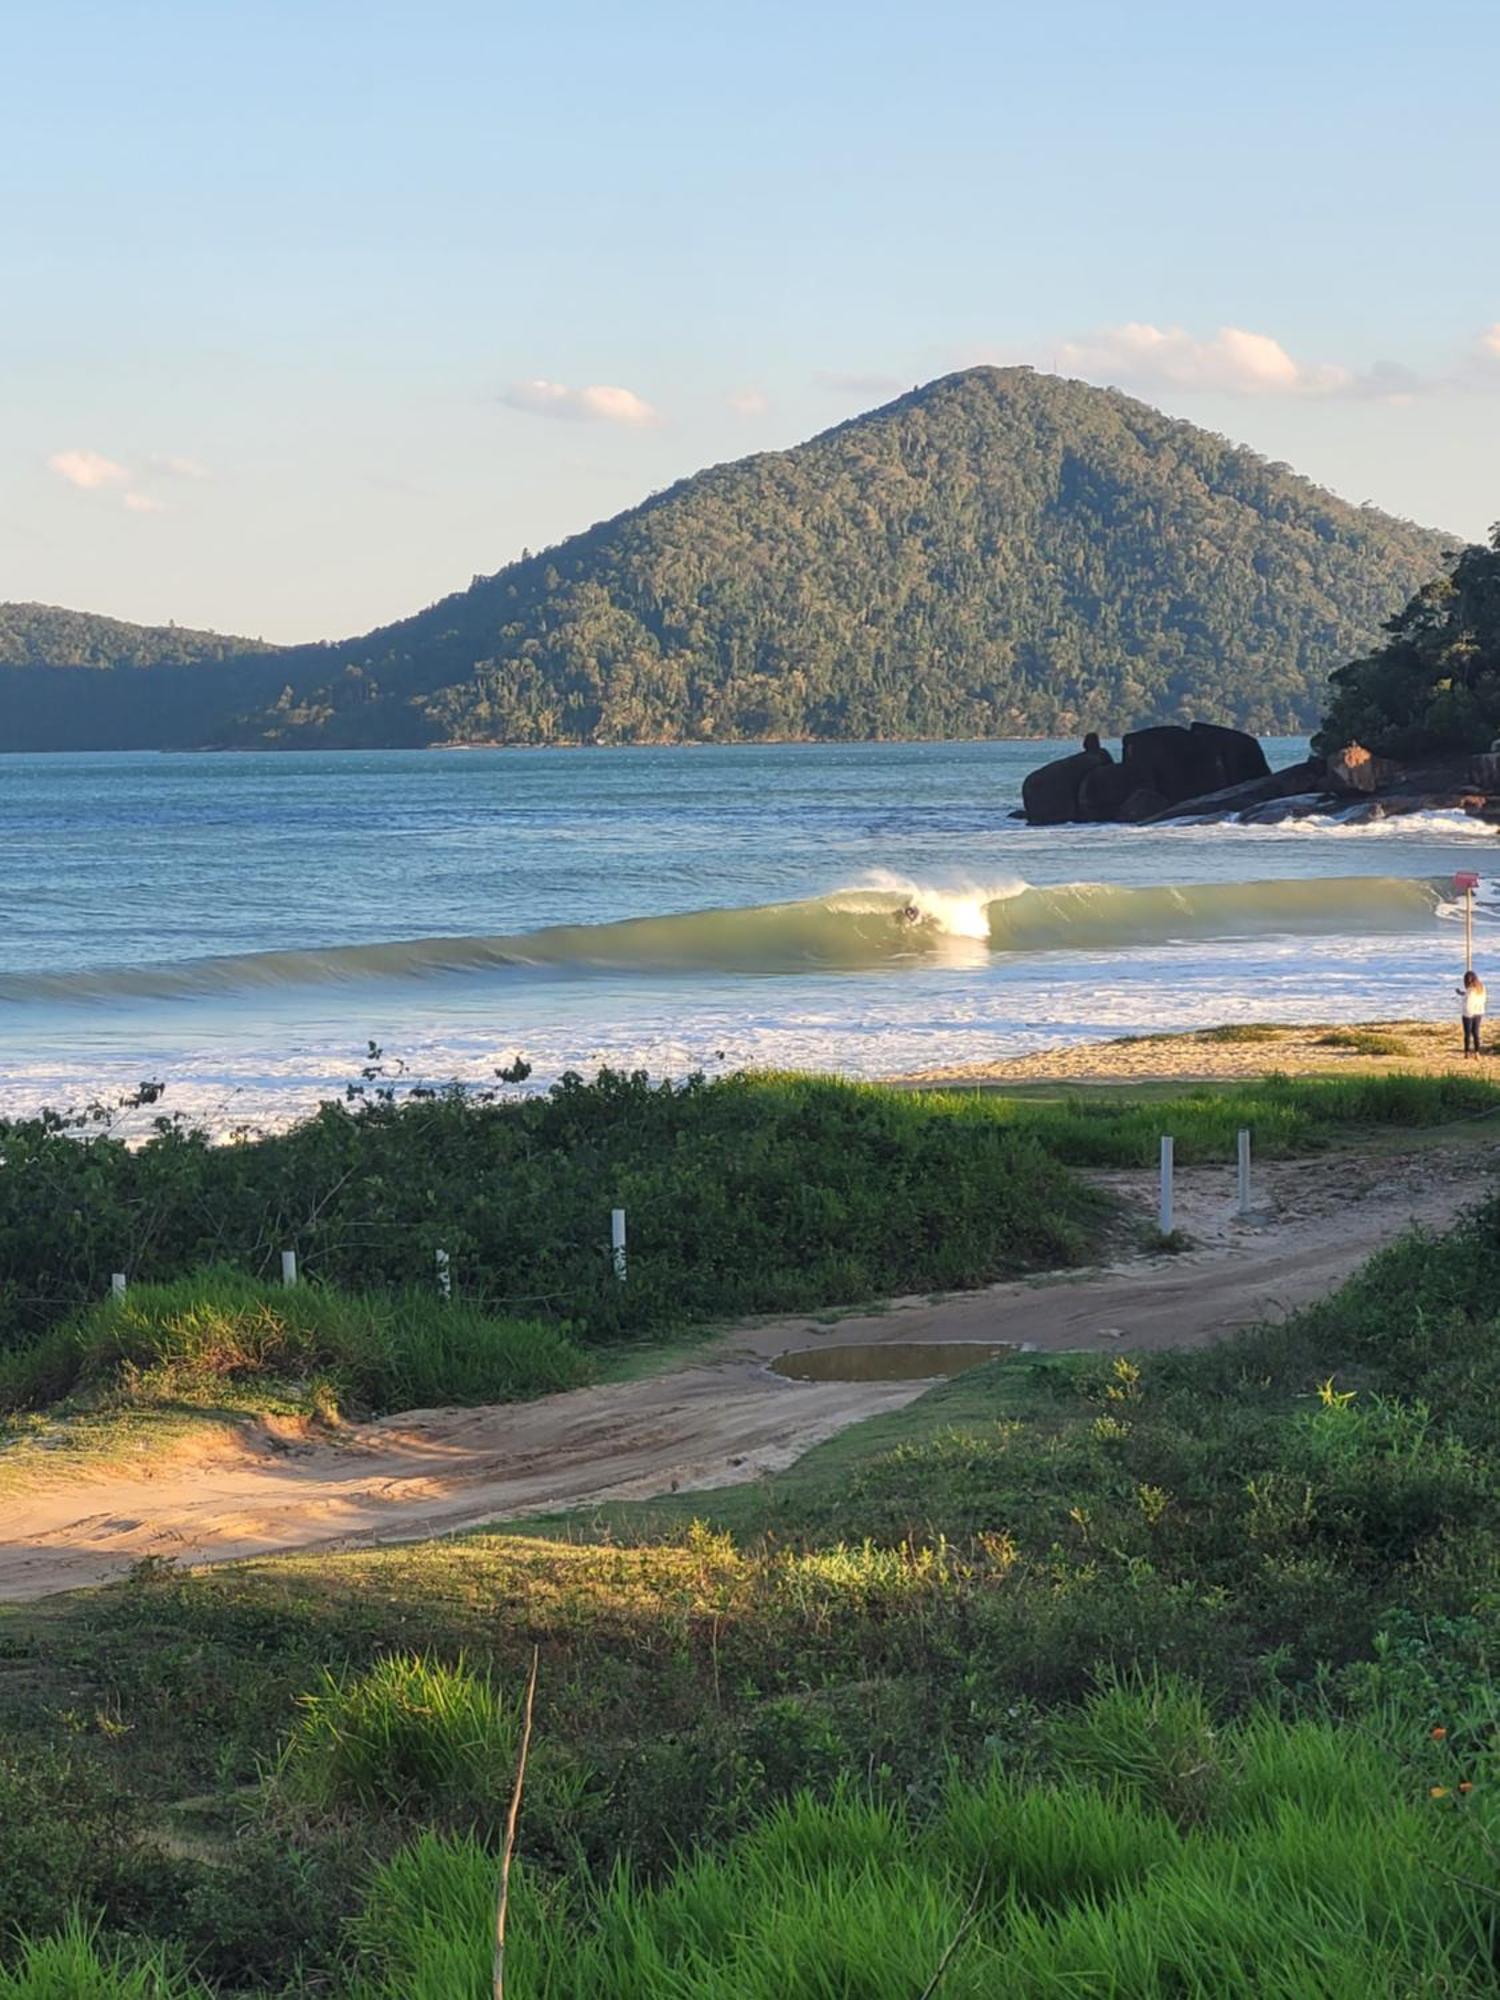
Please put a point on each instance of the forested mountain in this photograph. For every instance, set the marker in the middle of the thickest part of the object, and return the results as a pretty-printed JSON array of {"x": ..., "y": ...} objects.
[
  {"x": 71, "y": 680},
  {"x": 998, "y": 553}
]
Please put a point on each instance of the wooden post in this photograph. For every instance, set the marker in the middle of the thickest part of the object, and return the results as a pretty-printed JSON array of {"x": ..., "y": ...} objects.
[
  {"x": 617, "y": 1241},
  {"x": 117, "y": 1285},
  {"x": 444, "y": 1276},
  {"x": 289, "y": 1267},
  {"x": 1165, "y": 1215},
  {"x": 1244, "y": 1171}
]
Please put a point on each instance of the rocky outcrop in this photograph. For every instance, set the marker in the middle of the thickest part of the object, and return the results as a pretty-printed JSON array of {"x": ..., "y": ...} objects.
[
  {"x": 1049, "y": 795},
  {"x": 1354, "y": 769},
  {"x": 1158, "y": 769}
]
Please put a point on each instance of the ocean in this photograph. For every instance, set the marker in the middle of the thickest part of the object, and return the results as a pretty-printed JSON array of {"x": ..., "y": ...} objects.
[{"x": 240, "y": 927}]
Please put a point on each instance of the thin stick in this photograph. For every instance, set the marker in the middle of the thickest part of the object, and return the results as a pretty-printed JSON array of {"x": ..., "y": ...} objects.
[
  {"x": 957, "y": 1939},
  {"x": 503, "y": 1901}
]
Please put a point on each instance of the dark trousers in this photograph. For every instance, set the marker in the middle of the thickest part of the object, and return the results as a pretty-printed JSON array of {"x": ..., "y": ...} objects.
[{"x": 1472, "y": 1024}]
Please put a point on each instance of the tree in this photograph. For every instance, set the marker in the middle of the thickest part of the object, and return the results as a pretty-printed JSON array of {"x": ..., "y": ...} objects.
[{"x": 1435, "y": 685}]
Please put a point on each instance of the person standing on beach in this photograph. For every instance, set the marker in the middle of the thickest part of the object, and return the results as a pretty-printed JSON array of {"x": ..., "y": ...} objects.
[{"x": 1472, "y": 995}]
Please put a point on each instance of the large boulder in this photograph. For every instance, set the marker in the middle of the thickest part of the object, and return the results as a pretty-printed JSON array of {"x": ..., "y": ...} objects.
[
  {"x": 1102, "y": 792},
  {"x": 1236, "y": 755},
  {"x": 1159, "y": 768},
  {"x": 1164, "y": 759},
  {"x": 1185, "y": 763},
  {"x": 1049, "y": 796}
]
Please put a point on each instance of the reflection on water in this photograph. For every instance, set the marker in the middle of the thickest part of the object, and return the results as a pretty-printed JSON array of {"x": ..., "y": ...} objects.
[{"x": 888, "y": 1360}]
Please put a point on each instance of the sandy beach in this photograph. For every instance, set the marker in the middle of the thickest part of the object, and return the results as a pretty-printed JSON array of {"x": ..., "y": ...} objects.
[{"x": 1225, "y": 1054}]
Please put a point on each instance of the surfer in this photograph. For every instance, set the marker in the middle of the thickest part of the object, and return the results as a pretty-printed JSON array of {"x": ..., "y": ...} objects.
[
  {"x": 1472, "y": 995},
  {"x": 909, "y": 914}
]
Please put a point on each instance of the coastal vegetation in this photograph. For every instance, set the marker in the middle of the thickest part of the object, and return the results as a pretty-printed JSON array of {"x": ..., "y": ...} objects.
[
  {"x": 998, "y": 553},
  {"x": 1083, "y": 1675},
  {"x": 1433, "y": 688},
  {"x": 743, "y": 1194}
]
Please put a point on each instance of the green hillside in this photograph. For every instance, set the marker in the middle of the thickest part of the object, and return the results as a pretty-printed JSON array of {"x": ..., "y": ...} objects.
[
  {"x": 71, "y": 680},
  {"x": 998, "y": 553}
]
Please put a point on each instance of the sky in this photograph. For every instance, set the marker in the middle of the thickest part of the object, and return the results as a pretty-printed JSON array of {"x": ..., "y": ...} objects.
[{"x": 310, "y": 312}]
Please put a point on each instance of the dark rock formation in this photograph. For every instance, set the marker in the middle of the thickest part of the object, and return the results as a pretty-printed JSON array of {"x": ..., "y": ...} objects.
[
  {"x": 1158, "y": 768},
  {"x": 1049, "y": 796},
  {"x": 1295, "y": 781}
]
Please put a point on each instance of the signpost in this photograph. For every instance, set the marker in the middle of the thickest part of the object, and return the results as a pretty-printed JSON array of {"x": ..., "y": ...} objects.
[{"x": 1466, "y": 884}]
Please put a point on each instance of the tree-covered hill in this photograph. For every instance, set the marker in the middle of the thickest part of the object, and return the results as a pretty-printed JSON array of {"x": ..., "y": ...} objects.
[
  {"x": 1434, "y": 686},
  {"x": 69, "y": 679},
  {"x": 44, "y": 635},
  {"x": 998, "y": 553}
]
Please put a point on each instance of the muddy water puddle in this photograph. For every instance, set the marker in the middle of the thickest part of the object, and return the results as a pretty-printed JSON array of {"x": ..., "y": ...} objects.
[{"x": 887, "y": 1360}]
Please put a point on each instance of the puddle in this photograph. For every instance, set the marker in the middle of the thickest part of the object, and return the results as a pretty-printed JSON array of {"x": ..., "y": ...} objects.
[{"x": 887, "y": 1360}]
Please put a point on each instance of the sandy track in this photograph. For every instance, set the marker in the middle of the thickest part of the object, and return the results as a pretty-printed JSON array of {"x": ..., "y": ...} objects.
[{"x": 726, "y": 1417}]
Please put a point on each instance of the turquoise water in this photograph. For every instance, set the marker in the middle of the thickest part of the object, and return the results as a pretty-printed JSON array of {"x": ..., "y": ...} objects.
[{"x": 240, "y": 926}]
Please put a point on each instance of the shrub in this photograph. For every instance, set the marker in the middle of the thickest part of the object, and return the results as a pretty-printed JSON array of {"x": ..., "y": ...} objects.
[{"x": 405, "y": 1736}]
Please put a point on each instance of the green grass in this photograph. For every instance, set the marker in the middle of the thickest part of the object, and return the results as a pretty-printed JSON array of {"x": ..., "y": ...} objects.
[
  {"x": 74, "y": 1965},
  {"x": 407, "y": 1735},
  {"x": 1364, "y": 1042},
  {"x": 222, "y": 1341},
  {"x": 1073, "y": 1614},
  {"x": 1245, "y": 1031},
  {"x": 1297, "y": 1863},
  {"x": 1286, "y": 1115}
]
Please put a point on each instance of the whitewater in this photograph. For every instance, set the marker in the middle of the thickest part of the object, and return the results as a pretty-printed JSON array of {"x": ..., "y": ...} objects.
[{"x": 242, "y": 927}]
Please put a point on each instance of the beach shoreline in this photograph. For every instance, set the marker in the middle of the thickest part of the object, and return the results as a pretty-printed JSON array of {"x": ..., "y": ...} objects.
[{"x": 1229, "y": 1053}]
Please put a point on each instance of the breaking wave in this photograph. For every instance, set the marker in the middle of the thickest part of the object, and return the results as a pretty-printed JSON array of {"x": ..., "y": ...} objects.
[{"x": 885, "y": 921}]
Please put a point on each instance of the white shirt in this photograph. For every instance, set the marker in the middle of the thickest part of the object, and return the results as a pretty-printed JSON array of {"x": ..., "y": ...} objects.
[{"x": 1473, "y": 998}]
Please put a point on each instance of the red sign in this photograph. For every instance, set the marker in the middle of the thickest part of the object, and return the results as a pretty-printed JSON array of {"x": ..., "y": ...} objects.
[{"x": 1469, "y": 883}]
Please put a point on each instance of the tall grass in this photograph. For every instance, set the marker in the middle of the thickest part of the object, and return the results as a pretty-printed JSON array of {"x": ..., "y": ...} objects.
[
  {"x": 413, "y": 1737},
  {"x": 206, "y": 1337},
  {"x": 1277, "y": 1881},
  {"x": 75, "y": 1965}
]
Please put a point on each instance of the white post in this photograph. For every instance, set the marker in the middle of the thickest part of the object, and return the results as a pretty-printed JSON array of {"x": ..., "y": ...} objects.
[
  {"x": 617, "y": 1241},
  {"x": 444, "y": 1276},
  {"x": 117, "y": 1285},
  {"x": 1244, "y": 1171},
  {"x": 289, "y": 1267},
  {"x": 1165, "y": 1217}
]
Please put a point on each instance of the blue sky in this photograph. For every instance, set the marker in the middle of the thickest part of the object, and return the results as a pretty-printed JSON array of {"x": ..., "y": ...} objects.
[{"x": 309, "y": 312}]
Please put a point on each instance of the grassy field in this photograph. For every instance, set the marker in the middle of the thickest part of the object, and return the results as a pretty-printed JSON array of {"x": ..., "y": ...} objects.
[{"x": 1133, "y": 1678}]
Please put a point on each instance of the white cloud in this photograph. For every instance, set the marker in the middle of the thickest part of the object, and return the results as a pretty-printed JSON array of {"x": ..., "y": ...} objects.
[
  {"x": 144, "y": 503},
  {"x": 179, "y": 468},
  {"x": 87, "y": 469},
  {"x": 1234, "y": 360},
  {"x": 600, "y": 402},
  {"x": 1489, "y": 343},
  {"x": 749, "y": 403}
]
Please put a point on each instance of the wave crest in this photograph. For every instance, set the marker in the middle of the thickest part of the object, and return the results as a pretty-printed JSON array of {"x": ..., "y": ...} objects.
[{"x": 857, "y": 929}]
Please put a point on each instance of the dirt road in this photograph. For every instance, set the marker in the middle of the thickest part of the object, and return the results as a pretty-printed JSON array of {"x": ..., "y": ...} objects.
[{"x": 726, "y": 1417}]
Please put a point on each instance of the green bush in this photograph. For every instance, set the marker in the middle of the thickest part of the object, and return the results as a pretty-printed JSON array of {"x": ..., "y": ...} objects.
[{"x": 749, "y": 1193}]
